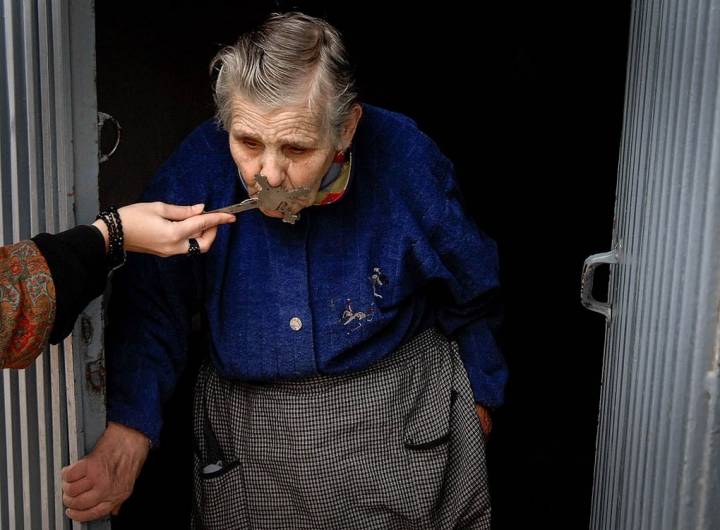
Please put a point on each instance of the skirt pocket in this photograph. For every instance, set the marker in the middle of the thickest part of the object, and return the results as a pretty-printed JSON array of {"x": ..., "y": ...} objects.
[{"x": 220, "y": 498}]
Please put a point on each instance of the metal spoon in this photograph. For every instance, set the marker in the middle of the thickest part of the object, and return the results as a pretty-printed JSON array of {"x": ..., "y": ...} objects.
[{"x": 270, "y": 198}]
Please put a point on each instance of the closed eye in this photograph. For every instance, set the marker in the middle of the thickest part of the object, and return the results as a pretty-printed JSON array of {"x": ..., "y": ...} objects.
[
  {"x": 297, "y": 150},
  {"x": 251, "y": 144}
]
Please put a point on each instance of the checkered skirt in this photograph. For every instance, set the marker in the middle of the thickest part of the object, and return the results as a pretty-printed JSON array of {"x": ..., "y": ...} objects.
[{"x": 395, "y": 446}]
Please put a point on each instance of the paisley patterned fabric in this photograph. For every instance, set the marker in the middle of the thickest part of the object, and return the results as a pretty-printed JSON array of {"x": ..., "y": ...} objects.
[{"x": 27, "y": 304}]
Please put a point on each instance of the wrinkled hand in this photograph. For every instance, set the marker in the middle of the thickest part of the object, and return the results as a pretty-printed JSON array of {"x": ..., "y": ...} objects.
[
  {"x": 485, "y": 419},
  {"x": 97, "y": 485},
  {"x": 164, "y": 229}
]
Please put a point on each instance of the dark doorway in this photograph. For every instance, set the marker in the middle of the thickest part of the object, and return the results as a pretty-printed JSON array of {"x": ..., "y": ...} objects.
[{"x": 526, "y": 98}]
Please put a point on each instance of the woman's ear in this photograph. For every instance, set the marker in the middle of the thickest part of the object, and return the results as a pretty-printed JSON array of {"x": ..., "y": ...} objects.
[{"x": 350, "y": 126}]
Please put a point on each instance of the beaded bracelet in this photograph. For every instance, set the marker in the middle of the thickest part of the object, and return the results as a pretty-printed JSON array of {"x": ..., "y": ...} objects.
[{"x": 116, "y": 246}]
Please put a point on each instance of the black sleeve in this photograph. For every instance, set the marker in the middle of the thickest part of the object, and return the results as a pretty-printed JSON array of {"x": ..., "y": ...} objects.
[{"x": 77, "y": 263}]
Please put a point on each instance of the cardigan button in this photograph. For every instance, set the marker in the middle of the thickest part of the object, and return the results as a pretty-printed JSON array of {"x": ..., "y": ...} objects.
[{"x": 295, "y": 324}]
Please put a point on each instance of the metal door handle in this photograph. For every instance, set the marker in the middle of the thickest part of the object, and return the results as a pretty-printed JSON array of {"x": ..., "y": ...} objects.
[
  {"x": 102, "y": 118},
  {"x": 588, "y": 276}
]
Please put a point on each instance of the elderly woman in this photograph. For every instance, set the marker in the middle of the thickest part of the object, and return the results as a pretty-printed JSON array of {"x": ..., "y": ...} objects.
[{"x": 348, "y": 347}]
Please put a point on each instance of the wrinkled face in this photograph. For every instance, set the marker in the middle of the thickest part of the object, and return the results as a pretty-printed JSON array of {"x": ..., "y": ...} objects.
[{"x": 287, "y": 145}]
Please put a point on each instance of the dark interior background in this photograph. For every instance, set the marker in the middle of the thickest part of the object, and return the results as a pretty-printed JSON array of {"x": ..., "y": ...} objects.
[{"x": 525, "y": 97}]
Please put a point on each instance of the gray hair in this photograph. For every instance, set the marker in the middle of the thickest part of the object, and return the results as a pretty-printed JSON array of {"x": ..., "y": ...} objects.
[{"x": 291, "y": 59}]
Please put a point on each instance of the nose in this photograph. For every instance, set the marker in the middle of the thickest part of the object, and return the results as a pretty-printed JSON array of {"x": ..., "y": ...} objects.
[{"x": 274, "y": 169}]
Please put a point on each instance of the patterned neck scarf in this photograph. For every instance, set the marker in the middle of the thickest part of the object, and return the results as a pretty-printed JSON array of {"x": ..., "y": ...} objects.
[{"x": 336, "y": 180}]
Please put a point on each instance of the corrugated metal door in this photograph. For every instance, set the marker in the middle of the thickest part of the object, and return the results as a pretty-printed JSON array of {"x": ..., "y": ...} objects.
[
  {"x": 48, "y": 182},
  {"x": 657, "y": 463}
]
